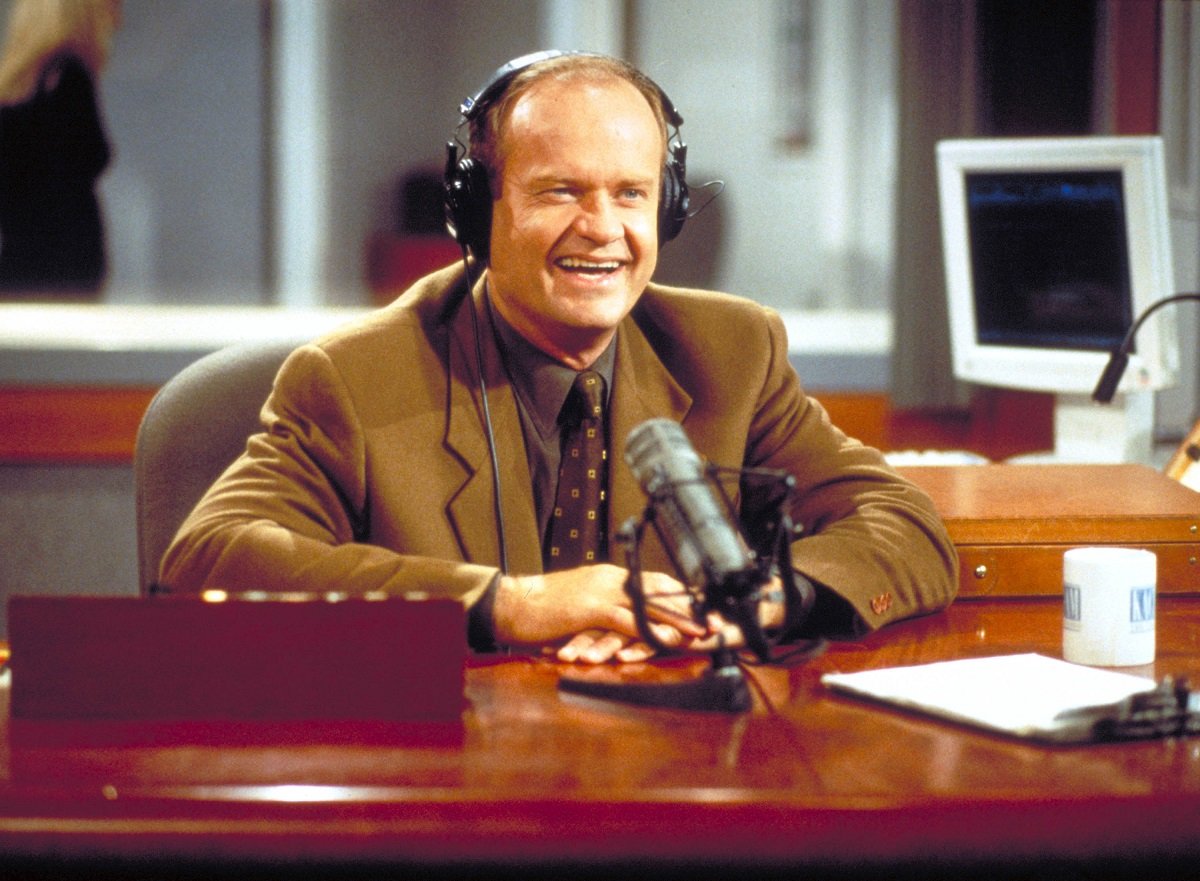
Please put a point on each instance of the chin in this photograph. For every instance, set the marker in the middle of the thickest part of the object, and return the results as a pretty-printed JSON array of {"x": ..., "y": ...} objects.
[{"x": 599, "y": 315}]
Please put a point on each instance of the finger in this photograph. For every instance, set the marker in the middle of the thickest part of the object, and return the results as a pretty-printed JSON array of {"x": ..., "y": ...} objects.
[
  {"x": 675, "y": 611},
  {"x": 727, "y": 636},
  {"x": 670, "y": 636},
  {"x": 634, "y": 652},
  {"x": 577, "y": 644},
  {"x": 593, "y": 647},
  {"x": 669, "y": 600},
  {"x": 604, "y": 648}
]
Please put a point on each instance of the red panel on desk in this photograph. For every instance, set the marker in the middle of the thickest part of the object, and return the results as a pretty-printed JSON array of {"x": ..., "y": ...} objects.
[{"x": 182, "y": 658}]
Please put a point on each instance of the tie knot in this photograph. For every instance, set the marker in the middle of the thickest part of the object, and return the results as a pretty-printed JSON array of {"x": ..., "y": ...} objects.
[{"x": 588, "y": 393}]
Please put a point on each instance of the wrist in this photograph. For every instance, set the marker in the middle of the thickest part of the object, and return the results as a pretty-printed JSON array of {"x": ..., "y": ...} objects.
[
  {"x": 502, "y": 609},
  {"x": 512, "y": 623},
  {"x": 772, "y": 606}
]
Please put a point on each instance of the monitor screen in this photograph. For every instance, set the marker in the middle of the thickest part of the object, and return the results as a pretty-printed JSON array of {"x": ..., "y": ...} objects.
[
  {"x": 1048, "y": 258},
  {"x": 1053, "y": 247}
]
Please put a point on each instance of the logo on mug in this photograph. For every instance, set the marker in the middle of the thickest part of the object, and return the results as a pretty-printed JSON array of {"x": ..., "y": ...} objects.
[
  {"x": 1141, "y": 608},
  {"x": 1072, "y": 606}
]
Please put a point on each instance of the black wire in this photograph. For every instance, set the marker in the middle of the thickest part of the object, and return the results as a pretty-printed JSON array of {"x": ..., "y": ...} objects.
[
  {"x": 487, "y": 416},
  {"x": 791, "y": 655},
  {"x": 1127, "y": 343},
  {"x": 1118, "y": 358}
]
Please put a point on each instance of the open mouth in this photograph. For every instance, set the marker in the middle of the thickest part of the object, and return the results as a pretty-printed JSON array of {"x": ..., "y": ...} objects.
[{"x": 587, "y": 267}]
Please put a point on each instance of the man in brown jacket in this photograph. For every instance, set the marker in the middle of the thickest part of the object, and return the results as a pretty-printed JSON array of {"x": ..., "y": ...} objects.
[{"x": 374, "y": 470}]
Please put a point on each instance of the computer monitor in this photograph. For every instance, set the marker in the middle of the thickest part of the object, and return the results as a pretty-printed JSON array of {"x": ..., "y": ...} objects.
[{"x": 1053, "y": 247}]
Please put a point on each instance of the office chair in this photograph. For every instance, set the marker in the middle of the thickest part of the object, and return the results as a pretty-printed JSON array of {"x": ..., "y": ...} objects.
[{"x": 195, "y": 426}]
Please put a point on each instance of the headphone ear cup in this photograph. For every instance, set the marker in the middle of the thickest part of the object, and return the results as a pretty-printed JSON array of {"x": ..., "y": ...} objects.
[
  {"x": 675, "y": 198},
  {"x": 469, "y": 206}
]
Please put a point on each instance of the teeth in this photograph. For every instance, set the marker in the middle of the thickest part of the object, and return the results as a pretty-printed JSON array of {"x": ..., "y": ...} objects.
[{"x": 588, "y": 265}]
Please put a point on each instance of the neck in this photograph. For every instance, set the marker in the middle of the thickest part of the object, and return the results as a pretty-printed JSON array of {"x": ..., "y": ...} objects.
[
  {"x": 577, "y": 348},
  {"x": 577, "y": 357}
]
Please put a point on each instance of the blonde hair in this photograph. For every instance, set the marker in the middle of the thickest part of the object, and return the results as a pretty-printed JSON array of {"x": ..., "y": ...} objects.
[{"x": 38, "y": 30}]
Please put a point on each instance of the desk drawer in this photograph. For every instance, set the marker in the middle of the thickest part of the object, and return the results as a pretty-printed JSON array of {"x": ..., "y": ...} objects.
[
  {"x": 1011, "y": 523},
  {"x": 1023, "y": 570}
]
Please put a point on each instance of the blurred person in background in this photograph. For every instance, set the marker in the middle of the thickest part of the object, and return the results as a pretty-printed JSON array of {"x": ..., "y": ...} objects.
[{"x": 53, "y": 148}]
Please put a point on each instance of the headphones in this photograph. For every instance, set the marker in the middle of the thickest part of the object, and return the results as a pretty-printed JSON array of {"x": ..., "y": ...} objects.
[{"x": 468, "y": 196}]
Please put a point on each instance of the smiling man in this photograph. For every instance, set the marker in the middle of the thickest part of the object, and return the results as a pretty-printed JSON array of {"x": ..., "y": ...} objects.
[
  {"x": 574, "y": 230},
  {"x": 422, "y": 448}
]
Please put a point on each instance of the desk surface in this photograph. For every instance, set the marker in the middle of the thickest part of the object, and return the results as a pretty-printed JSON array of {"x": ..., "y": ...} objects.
[{"x": 808, "y": 779}]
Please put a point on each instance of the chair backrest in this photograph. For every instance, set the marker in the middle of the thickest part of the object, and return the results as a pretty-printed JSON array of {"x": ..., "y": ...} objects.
[{"x": 195, "y": 426}]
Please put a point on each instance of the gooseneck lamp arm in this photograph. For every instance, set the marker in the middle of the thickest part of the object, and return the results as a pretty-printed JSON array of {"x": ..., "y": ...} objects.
[{"x": 1118, "y": 360}]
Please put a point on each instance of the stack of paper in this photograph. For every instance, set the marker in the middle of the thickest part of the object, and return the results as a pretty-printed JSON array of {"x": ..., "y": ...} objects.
[{"x": 1028, "y": 695}]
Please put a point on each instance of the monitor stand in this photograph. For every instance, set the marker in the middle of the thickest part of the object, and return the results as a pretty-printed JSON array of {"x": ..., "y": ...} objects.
[{"x": 1088, "y": 432}]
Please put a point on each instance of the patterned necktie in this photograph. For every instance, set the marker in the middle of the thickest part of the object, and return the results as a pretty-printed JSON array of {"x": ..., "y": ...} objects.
[{"x": 577, "y": 524}]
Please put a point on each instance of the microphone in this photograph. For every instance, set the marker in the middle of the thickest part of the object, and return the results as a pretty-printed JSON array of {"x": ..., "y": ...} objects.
[
  {"x": 704, "y": 544},
  {"x": 1118, "y": 359},
  {"x": 719, "y": 570}
]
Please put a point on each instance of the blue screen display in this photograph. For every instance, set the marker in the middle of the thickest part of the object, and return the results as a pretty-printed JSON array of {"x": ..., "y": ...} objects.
[{"x": 1049, "y": 258}]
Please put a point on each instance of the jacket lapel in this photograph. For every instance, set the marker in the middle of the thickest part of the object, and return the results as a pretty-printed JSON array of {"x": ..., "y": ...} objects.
[
  {"x": 643, "y": 389},
  {"x": 471, "y": 509}
]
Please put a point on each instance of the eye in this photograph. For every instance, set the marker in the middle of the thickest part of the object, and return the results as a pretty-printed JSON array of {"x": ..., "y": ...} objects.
[{"x": 559, "y": 193}]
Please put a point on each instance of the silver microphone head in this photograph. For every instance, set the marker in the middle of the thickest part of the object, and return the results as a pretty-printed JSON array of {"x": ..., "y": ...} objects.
[{"x": 692, "y": 522}]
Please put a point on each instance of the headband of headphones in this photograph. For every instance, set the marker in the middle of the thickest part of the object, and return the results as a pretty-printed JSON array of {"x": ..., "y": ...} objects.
[{"x": 468, "y": 197}]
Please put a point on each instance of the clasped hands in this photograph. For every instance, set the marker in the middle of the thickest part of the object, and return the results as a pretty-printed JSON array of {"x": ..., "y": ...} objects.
[{"x": 586, "y": 615}]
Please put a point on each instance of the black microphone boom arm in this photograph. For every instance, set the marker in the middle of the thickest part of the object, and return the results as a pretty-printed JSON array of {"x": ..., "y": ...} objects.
[{"x": 1118, "y": 359}]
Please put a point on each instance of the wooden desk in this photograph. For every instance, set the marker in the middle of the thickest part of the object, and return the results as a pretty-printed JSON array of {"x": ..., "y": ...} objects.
[
  {"x": 809, "y": 784},
  {"x": 1011, "y": 523}
]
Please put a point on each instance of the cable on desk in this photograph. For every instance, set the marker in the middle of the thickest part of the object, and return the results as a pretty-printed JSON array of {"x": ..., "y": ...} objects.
[{"x": 1171, "y": 709}]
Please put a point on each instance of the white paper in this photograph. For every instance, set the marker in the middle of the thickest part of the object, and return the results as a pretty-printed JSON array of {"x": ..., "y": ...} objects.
[{"x": 1023, "y": 695}]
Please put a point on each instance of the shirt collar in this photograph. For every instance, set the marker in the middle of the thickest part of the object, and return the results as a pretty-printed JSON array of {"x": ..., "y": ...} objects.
[{"x": 541, "y": 383}]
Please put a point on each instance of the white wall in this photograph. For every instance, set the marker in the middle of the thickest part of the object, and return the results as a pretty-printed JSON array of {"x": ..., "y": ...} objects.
[
  {"x": 214, "y": 197},
  {"x": 397, "y": 73},
  {"x": 183, "y": 99},
  {"x": 805, "y": 229},
  {"x": 1178, "y": 409}
]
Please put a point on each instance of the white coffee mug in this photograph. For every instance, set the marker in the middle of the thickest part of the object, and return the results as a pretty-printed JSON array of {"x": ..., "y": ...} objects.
[{"x": 1109, "y": 598}]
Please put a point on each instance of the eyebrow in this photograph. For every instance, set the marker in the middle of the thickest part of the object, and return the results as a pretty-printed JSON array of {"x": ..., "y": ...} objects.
[{"x": 574, "y": 180}]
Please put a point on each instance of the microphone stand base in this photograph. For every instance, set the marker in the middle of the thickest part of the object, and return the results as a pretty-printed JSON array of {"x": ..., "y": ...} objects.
[{"x": 721, "y": 688}]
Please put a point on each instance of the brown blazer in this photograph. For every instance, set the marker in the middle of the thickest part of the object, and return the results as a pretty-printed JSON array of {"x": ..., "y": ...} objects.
[{"x": 373, "y": 473}]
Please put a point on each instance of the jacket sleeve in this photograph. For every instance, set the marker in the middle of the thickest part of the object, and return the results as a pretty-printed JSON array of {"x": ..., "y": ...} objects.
[
  {"x": 870, "y": 536},
  {"x": 290, "y": 514}
]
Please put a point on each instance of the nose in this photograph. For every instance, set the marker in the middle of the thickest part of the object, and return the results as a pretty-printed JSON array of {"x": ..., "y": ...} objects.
[{"x": 599, "y": 219}]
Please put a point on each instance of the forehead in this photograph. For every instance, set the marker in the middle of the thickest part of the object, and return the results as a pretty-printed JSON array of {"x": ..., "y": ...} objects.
[{"x": 568, "y": 120}]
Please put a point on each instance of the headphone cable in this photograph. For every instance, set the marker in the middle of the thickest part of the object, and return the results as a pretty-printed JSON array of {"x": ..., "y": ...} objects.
[{"x": 487, "y": 415}]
